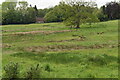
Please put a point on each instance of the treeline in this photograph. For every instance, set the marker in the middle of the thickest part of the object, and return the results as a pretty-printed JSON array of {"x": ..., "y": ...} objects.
[
  {"x": 18, "y": 13},
  {"x": 72, "y": 12},
  {"x": 76, "y": 12},
  {"x": 109, "y": 11},
  {"x": 0, "y": 14}
]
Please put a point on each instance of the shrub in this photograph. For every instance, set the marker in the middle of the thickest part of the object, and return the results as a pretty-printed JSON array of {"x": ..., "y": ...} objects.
[
  {"x": 47, "y": 68},
  {"x": 91, "y": 76},
  {"x": 11, "y": 70},
  {"x": 33, "y": 72},
  {"x": 98, "y": 59}
]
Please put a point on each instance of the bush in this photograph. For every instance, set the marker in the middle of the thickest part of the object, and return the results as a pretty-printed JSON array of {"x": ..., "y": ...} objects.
[
  {"x": 98, "y": 59},
  {"x": 11, "y": 70},
  {"x": 47, "y": 68},
  {"x": 33, "y": 72}
]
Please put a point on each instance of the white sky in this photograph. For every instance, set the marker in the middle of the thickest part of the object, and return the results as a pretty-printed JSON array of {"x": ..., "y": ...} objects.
[{"x": 49, "y": 3}]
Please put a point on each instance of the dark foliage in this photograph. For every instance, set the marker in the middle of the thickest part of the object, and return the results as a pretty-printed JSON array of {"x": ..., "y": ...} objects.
[
  {"x": 111, "y": 10},
  {"x": 11, "y": 71}
]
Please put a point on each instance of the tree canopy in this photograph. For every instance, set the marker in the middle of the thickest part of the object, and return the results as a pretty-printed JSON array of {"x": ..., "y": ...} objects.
[
  {"x": 112, "y": 10},
  {"x": 71, "y": 12},
  {"x": 78, "y": 11},
  {"x": 17, "y": 13}
]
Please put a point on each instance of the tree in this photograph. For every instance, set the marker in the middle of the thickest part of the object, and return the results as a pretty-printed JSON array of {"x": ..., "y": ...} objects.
[
  {"x": 36, "y": 10},
  {"x": 21, "y": 14},
  {"x": 101, "y": 15},
  {"x": 9, "y": 5},
  {"x": 8, "y": 12},
  {"x": 92, "y": 19},
  {"x": 55, "y": 15},
  {"x": 112, "y": 10},
  {"x": 50, "y": 17},
  {"x": 43, "y": 12},
  {"x": 77, "y": 12},
  {"x": 31, "y": 13},
  {"x": 23, "y": 5},
  {"x": 9, "y": 17},
  {"x": 0, "y": 14}
]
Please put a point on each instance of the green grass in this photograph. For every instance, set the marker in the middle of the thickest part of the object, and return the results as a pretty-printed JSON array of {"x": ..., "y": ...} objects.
[{"x": 68, "y": 55}]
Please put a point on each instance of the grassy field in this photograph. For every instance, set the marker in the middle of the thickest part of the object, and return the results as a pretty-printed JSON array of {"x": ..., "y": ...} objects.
[{"x": 88, "y": 52}]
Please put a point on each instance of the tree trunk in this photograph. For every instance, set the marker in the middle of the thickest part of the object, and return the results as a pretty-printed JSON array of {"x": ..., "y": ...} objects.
[{"x": 78, "y": 25}]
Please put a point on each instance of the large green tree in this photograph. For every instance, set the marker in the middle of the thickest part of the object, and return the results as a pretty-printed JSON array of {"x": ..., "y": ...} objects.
[{"x": 78, "y": 11}]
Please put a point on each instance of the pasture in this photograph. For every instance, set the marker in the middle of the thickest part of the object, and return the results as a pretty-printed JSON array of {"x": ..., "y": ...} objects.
[{"x": 88, "y": 52}]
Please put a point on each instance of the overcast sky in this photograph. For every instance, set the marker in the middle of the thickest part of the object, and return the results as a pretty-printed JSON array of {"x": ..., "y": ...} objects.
[{"x": 49, "y": 3}]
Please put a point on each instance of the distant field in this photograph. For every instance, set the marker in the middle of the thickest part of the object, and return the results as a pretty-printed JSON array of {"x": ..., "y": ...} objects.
[{"x": 88, "y": 52}]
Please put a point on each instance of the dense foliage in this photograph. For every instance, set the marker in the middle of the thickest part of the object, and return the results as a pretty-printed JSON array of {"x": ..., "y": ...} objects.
[
  {"x": 0, "y": 14},
  {"x": 71, "y": 12},
  {"x": 11, "y": 14},
  {"x": 112, "y": 10},
  {"x": 54, "y": 15},
  {"x": 43, "y": 12},
  {"x": 79, "y": 12},
  {"x": 74, "y": 13}
]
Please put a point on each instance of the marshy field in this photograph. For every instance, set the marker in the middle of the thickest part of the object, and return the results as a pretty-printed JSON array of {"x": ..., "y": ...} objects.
[{"x": 61, "y": 51}]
